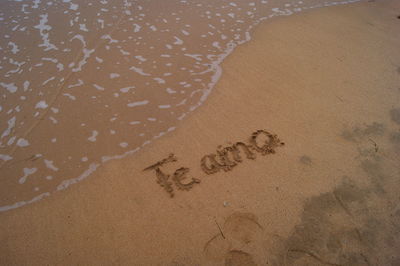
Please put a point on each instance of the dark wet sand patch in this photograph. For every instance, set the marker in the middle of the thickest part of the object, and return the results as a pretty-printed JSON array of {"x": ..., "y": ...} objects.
[
  {"x": 305, "y": 160},
  {"x": 353, "y": 224},
  {"x": 395, "y": 115}
]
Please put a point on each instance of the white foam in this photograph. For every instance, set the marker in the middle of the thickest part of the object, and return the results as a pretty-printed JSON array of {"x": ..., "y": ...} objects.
[
  {"x": 59, "y": 66},
  {"x": 140, "y": 58},
  {"x": 114, "y": 75},
  {"x": 126, "y": 89},
  {"x": 98, "y": 87},
  {"x": 11, "y": 124},
  {"x": 159, "y": 80},
  {"x": 22, "y": 142},
  {"x": 17, "y": 65},
  {"x": 92, "y": 138},
  {"x": 11, "y": 140},
  {"x": 27, "y": 172},
  {"x": 73, "y": 6},
  {"x": 181, "y": 102},
  {"x": 41, "y": 105},
  {"x": 109, "y": 38},
  {"x": 53, "y": 120},
  {"x": 81, "y": 63},
  {"x": 196, "y": 57},
  {"x": 22, "y": 203},
  {"x": 5, "y": 157},
  {"x": 216, "y": 45},
  {"x": 82, "y": 27},
  {"x": 139, "y": 103},
  {"x": 48, "y": 80},
  {"x": 139, "y": 71},
  {"x": 14, "y": 47},
  {"x": 26, "y": 85},
  {"x": 123, "y": 144},
  {"x": 124, "y": 52},
  {"x": 49, "y": 164},
  {"x": 136, "y": 28},
  {"x": 36, "y": 3},
  {"x": 11, "y": 87},
  {"x": 170, "y": 91},
  {"x": 66, "y": 183},
  {"x": 178, "y": 41},
  {"x": 70, "y": 96},
  {"x": 44, "y": 30}
]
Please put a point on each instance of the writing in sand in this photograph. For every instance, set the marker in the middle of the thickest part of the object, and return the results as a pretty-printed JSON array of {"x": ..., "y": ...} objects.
[{"x": 225, "y": 158}]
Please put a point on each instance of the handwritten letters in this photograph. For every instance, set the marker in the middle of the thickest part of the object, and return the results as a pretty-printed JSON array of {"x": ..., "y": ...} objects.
[{"x": 225, "y": 158}]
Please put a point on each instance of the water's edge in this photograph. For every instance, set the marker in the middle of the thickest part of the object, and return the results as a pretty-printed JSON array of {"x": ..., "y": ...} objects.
[{"x": 216, "y": 72}]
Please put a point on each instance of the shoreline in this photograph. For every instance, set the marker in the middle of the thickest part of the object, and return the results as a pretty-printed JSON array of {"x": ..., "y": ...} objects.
[
  {"x": 216, "y": 69},
  {"x": 304, "y": 80}
]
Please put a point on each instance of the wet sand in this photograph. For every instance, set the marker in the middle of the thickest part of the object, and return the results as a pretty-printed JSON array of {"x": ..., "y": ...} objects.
[
  {"x": 327, "y": 83},
  {"x": 86, "y": 83}
]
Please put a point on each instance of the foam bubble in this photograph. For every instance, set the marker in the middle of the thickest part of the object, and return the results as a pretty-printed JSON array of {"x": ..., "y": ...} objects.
[
  {"x": 41, "y": 105},
  {"x": 139, "y": 103}
]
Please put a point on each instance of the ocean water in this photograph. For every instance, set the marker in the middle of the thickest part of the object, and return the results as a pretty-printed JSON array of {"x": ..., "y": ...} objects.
[{"x": 85, "y": 82}]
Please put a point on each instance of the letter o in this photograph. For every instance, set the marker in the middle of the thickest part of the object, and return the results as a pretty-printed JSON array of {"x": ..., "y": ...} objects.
[{"x": 270, "y": 144}]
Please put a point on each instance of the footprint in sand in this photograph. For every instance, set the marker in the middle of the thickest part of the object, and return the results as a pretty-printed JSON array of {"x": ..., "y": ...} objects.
[
  {"x": 305, "y": 160},
  {"x": 238, "y": 230},
  {"x": 242, "y": 227},
  {"x": 239, "y": 258},
  {"x": 395, "y": 113},
  {"x": 216, "y": 248}
]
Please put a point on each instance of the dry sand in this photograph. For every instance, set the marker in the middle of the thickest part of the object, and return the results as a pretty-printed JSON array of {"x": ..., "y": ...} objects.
[{"x": 327, "y": 82}]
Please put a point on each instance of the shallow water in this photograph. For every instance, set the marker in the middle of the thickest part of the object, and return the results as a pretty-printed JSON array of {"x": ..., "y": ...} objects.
[{"x": 84, "y": 82}]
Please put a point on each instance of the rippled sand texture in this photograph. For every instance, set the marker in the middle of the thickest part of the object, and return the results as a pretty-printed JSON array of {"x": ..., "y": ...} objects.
[{"x": 84, "y": 82}]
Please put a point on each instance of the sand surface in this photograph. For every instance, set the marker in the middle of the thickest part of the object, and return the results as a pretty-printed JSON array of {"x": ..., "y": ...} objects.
[{"x": 327, "y": 83}]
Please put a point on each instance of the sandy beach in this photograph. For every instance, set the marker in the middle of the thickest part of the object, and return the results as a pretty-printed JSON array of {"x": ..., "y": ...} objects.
[{"x": 326, "y": 82}]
